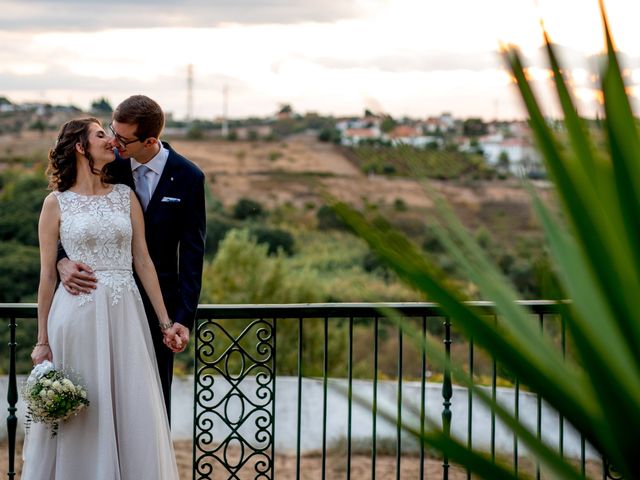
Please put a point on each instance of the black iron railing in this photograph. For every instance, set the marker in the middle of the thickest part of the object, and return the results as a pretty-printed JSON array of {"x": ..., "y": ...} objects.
[{"x": 258, "y": 367}]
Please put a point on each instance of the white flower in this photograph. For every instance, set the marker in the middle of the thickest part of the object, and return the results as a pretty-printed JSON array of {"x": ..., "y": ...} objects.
[
  {"x": 46, "y": 382},
  {"x": 57, "y": 386},
  {"x": 51, "y": 393},
  {"x": 43, "y": 393},
  {"x": 68, "y": 383}
]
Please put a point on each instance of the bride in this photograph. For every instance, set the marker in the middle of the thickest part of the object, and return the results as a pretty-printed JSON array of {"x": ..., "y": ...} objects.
[{"x": 102, "y": 336}]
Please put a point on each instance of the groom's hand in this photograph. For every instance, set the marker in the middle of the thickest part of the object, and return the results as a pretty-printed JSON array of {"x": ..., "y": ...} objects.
[
  {"x": 76, "y": 277},
  {"x": 170, "y": 340},
  {"x": 176, "y": 337}
]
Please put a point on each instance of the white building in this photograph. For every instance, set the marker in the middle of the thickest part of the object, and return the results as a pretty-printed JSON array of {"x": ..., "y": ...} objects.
[
  {"x": 353, "y": 136},
  {"x": 522, "y": 155}
]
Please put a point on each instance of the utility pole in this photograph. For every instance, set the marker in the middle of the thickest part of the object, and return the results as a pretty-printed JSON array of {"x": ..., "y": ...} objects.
[
  {"x": 225, "y": 101},
  {"x": 189, "y": 92}
]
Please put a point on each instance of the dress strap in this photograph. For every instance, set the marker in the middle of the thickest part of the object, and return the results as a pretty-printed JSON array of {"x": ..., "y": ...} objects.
[
  {"x": 63, "y": 199},
  {"x": 124, "y": 195}
]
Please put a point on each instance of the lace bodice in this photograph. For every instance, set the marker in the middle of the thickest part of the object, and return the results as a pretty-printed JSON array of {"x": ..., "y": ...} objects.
[{"x": 96, "y": 230}]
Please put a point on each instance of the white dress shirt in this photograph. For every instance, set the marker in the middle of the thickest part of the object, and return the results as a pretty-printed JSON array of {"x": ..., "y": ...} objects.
[{"x": 156, "y": 166}]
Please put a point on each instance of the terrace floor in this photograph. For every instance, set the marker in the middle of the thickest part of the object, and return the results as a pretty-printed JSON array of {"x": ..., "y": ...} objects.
[{"x": 311, "y": 467}]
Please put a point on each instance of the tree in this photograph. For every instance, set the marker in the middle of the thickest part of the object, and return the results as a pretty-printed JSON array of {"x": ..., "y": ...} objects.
[
  {"x": 19, "y": 272},
  {"x": 38, "y": 126},
  {"x": 277, "y": 240},
  {"x": 474, "y": 127},
  {"x": 503, "y": 161},
  {"x": 20, "y": 203},
  {"x": 328, "y": 220},
  {"x": 388, "y": 124},
  {"x": 102, "y": 107},
  {"x": 246, "y": 209},
  {"x": 195, "y": 132}
]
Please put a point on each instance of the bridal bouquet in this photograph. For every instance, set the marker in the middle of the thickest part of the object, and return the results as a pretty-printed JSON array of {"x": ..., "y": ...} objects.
[{"x": 51, "y": 397}]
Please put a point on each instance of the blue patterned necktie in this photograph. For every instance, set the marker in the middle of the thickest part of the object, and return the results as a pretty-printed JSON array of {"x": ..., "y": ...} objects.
[{"x": 142, "y": 186}]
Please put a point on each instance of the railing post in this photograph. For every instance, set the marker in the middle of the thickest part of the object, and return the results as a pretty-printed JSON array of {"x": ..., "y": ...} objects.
[
  {"x": 447, "y": 393},
  {"x": 12, "y": 399}
]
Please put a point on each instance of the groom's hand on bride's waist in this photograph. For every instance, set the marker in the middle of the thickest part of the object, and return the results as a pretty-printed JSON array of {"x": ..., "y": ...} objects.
[{"x": 76, "y": 277}]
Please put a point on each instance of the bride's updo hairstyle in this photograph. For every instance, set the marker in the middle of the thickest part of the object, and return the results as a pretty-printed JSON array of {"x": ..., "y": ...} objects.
[{"x": 62, "y": 170}]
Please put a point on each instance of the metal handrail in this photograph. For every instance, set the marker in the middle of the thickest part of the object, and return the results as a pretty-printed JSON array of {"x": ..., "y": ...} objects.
[{"x": 310, "y": 310}]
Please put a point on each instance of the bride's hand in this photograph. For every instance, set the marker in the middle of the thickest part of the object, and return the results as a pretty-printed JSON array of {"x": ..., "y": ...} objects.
[
  {"x": 176, "y": 337},
  {"x": 41, "y": 353},
  {"x": 171, "y": 339}
]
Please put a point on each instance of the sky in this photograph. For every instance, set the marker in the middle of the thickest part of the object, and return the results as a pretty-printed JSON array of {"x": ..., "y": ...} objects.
[{"x": 412, "y": 58}]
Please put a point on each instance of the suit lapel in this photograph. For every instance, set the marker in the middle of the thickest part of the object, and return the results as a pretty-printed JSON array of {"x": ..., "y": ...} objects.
[{"x": 164, "y": 184}]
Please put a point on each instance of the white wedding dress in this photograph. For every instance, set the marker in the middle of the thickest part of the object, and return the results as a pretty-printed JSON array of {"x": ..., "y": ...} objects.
[{"x": 103, "y": 337}]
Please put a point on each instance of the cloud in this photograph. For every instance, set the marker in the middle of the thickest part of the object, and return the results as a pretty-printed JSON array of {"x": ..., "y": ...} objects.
[
  {"x": 65, "y": 80},
  {"x": 415, "y": 62},
  {"x": 88, "y": 15},
  {"x": 426, "y": 61},
  {"x": 575, "y": 58}
]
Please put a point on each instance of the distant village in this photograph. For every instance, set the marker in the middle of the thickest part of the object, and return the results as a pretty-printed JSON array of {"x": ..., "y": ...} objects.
[{"x": 505, "y": 145}]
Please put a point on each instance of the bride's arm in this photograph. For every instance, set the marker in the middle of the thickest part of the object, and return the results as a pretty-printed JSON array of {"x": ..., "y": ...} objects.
[
  {"x": 143, "y": 264},
  {"x": 48, "y": 228}
]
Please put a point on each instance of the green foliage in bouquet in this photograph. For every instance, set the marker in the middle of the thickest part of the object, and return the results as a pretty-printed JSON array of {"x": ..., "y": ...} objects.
[
  {"x": 595, "y": 250},
  {"x": 52, "y": 397}
]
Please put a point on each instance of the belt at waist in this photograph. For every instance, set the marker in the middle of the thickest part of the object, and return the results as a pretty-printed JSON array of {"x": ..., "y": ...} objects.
[{"x": 113, "y": 269}]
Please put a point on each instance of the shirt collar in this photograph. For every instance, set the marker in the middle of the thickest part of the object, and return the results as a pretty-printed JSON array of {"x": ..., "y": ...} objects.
[{"x": 156, "y": 164}]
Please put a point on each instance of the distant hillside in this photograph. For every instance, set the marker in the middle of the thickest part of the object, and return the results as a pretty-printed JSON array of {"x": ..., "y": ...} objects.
[{"x": 301, "y": 171}]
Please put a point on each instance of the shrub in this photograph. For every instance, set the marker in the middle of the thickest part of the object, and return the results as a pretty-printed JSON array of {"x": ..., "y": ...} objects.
[
  {"x": 20, "y": 204},
  {"x": 19, "y": 272},
  {"x": 195, "y": 132},
  {"x": 274, "y": 155},
  {"x": 246, "y": 209},
  {"x": 217, "y": 229},
  {"x": 328, "y": 220},
  {"x": 399, "y": 205},
  {"x": 276, "y": 240}
]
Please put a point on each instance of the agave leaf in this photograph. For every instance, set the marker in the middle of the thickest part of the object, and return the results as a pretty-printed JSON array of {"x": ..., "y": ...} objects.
[
  {"x": 589, "y": 217},
  {"x": 606, "y": 252},
  {"x": 613, "y": 372},
  {"x": 550, "y": 458},
  {"x": 625, "y": 151}
]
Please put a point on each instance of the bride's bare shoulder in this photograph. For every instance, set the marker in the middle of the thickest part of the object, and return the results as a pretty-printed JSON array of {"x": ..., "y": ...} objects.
[{"x": 50, "y": 205}]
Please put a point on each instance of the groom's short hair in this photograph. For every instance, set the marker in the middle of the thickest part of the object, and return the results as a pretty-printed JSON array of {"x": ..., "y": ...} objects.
[{"x": 144, "y": 112}]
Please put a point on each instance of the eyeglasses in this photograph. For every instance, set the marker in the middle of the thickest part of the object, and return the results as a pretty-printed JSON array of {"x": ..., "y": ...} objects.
[{"x": 121, "y": 141}]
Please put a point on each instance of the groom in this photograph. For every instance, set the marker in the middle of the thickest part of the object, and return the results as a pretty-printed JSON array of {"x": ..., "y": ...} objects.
[{"x": 171, "y": 191}]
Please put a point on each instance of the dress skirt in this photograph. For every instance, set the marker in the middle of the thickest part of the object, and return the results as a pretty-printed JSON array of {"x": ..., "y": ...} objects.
[{"x": 104, "y": 338}]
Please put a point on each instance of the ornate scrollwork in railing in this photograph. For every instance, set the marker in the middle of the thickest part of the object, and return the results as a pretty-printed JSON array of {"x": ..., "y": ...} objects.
[
  {"x": 610, "y": 471},
  {"x": 234, "y": 390}
]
